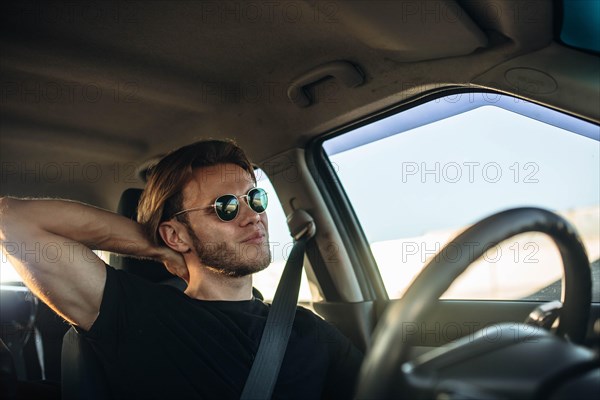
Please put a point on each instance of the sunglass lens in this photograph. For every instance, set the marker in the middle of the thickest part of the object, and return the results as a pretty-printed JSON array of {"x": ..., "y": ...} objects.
[
  {"x": 258, "y": 200},
  {"x": 227, "y": 207}
]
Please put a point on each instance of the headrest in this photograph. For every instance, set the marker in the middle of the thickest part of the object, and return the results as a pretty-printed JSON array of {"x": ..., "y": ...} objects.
[
  {"x": 148, "y": 269},
  {"x": 128, "y": 203}
]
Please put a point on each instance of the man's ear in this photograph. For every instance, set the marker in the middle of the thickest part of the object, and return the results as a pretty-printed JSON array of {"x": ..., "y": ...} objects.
[{"x": 175, "y": 236}]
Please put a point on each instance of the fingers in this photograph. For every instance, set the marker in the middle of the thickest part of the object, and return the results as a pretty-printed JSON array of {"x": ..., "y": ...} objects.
[
  {"x": 186, "y": 276},
  {"x": 175, "y": 264},
  {"x": 178, "y": 270}
]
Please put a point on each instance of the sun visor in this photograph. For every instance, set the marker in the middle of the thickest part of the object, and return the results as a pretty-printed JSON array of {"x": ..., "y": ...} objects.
[{"x": 414, "y": 30}]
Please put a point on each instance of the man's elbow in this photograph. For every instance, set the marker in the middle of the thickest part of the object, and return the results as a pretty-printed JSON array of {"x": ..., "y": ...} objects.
[
  {"x": 4, "y": 212},
  {"x": 9, "y": 247},
  {"x": 7, "y": 217}
]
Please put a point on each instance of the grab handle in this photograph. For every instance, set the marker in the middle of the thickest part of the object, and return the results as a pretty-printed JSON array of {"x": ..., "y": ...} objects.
[{"x": 347, "y": 73}]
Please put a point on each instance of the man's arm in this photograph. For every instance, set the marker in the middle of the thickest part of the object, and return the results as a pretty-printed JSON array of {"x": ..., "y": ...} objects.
[{"x": 50, "y": 243}]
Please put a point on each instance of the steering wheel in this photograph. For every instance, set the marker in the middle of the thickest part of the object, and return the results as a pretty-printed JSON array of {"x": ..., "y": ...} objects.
[{"x": 518, "y": 361}]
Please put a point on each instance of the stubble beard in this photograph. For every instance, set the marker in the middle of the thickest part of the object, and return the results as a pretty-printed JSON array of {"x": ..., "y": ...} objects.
[{"x": 227, "y": 260}]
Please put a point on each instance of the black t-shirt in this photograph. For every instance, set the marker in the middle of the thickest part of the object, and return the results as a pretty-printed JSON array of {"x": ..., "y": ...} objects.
[{"x": 155, "y": 342}]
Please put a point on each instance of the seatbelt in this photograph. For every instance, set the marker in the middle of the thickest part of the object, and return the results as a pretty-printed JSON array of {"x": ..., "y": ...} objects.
[{"x": 269, "y": 356}]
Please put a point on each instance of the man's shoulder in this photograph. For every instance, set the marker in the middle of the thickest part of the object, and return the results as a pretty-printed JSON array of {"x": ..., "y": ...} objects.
[
  {"x": 122, "y": 274},
  {"x": 306, "y": 316},
  {"x": 302, "y": 311},
  {"x": 129, "y": 301},
  {"x": 125, "y": 282}
]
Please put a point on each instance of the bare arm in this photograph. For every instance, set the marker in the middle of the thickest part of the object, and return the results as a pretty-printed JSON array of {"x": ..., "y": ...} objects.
[{"x": 50, "y": 244}]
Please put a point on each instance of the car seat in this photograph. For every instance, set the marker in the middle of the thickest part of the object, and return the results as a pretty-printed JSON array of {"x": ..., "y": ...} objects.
[{"x": 82, "y": 374}]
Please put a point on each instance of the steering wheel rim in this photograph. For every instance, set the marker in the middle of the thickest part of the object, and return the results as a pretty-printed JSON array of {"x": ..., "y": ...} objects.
[{"x": 380, "y": 369}]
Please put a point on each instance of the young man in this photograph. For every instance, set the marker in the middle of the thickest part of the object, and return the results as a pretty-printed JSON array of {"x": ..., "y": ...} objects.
[{"x": 202, "y": 216}]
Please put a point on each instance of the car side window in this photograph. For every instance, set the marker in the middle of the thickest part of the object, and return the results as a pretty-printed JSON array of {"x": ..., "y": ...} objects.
[
  {"x": 418, "y": 178},
  {"x": 281, "y": 243}
]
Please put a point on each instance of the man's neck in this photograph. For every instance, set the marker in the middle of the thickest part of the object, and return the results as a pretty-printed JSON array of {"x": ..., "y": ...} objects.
[{"x": 206, "y": 284}]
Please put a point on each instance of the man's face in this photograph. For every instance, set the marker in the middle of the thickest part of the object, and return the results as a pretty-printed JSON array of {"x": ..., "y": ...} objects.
[{"x": 235, "y": 248}]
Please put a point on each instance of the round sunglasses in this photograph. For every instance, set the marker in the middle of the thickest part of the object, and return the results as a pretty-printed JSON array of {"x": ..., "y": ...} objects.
[{"x": 227, "y": 206}]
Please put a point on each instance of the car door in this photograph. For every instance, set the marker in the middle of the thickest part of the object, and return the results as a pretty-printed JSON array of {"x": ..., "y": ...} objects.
[{"x": 400, "y": 185}]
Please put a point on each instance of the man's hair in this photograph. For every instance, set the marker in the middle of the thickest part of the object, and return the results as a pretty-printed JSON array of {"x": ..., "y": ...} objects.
[{"x": 163, "y": 195}]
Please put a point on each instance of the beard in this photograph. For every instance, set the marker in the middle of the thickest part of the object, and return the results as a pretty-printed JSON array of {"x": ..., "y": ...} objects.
[{"x": 230, "y": 260}]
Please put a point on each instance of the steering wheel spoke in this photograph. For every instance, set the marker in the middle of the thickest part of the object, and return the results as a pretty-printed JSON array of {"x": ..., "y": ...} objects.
[{"x": 545, "y": 315}]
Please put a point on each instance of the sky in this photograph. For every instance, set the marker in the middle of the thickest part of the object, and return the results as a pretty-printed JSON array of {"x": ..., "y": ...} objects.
[{"x": 457, "y": 170}]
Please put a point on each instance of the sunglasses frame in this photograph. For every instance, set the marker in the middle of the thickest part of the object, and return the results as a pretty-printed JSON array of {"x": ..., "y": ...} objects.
[{"x": 214, "y": 205}]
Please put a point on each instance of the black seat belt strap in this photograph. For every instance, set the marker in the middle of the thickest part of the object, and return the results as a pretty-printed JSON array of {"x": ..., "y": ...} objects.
[{"x": 273, "y": 343}]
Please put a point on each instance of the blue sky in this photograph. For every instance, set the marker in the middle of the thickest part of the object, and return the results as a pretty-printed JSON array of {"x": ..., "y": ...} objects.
[{"x": 452, "y": 172}]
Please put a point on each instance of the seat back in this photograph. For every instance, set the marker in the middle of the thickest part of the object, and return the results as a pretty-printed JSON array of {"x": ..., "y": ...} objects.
[
  {"x": 8, "y": 374},
  {"x": 82, "y": 375},
  {"x": 18, "y": 312}
]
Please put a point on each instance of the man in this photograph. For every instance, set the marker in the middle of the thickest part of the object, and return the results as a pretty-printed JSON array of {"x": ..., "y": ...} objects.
[{"x": 202, "y": 216}]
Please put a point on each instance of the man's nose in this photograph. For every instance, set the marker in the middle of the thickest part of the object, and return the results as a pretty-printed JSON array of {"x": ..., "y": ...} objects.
[{"x": 247, "y": 214}]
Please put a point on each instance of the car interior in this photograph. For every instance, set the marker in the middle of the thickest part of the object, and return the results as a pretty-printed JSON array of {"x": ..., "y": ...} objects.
[{"x": 447, "y": 152}]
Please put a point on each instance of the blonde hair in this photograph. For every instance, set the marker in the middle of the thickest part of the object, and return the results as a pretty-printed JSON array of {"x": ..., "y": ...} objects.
[{"x": 163, "y": 195}]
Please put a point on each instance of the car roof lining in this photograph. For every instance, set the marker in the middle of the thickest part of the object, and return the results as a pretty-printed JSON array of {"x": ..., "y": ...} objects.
[{"x": 119, "y": 74}]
